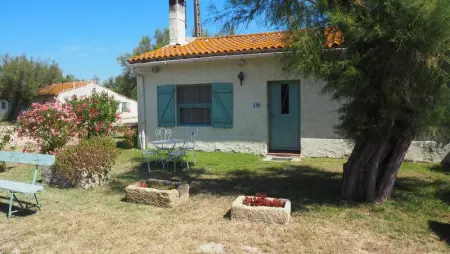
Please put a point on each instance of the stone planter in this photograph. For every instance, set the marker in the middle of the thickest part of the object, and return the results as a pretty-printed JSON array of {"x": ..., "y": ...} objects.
[
  {"x": 280, "y": 215},
  {"x": 162, "y": 198}
]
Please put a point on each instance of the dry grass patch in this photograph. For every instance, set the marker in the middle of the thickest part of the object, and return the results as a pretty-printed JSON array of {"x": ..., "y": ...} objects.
[{"x": 99, "y": 220}]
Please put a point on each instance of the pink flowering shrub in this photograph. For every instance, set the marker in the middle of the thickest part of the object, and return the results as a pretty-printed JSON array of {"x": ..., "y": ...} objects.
[
  {"x": 50, "y": 125},
  {"x": 96, "y": 114}
]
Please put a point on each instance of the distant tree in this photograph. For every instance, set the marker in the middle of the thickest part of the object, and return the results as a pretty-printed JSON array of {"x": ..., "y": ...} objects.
[
  {"x": 226, "y": 31},
  {"x": 21, "y": 78},
  {"x": 70, "y": 78},
  {"x": 96, "y": 79},
  {"x": 161, "y": 37},
  {"x": 205, "y": 33},
  {"x": 125, "y": 83}
]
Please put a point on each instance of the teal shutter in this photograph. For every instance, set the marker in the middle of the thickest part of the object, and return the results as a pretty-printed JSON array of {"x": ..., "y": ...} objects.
[
  {"x": 222, "y": 105},
  {"x": 166, "y": 106}
]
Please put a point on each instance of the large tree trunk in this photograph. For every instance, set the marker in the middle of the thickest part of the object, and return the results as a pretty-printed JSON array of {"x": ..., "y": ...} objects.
[{"x": 371, "y": 170}]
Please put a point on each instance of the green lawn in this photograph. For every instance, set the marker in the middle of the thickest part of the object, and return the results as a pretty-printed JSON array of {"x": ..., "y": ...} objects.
[{"x": 99, "y": 220}]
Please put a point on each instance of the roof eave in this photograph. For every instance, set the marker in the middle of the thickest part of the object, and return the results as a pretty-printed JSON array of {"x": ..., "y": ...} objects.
[{"x": 195, "y": 56}]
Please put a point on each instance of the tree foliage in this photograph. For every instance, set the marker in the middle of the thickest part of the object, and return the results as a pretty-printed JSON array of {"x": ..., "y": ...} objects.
[
  {"x": 125, "y": 83},
  {"x": 21, "y": 78},
  {"x": 391, "y": 76}
]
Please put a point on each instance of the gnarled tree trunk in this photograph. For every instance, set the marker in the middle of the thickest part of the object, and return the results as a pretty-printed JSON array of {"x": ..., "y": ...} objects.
[{"x": 371, "y": 170}]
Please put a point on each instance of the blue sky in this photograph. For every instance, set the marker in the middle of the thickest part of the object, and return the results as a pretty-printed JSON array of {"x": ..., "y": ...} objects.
[{"x": 85, "y": 36}]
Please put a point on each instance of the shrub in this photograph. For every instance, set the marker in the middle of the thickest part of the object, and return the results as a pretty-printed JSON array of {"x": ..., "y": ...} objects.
[
  {"x": 51, "y": 125},
  {"x": 130, "y": 138},
  {"x": 261, "y": 200},
  {"x": 91, "y": 158},
  {"x": 96, "y": 114},
  {"x": 5, "y": 140}
]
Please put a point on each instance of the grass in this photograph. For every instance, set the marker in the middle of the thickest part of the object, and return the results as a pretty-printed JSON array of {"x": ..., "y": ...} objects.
[{"x": 99, "y": 220}]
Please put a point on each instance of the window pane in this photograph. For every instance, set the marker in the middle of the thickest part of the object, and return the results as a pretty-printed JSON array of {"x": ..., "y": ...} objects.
[
  {"x": 195, "y": 115},
  {"x": 198, "y": 94},
  {"x": 3, "y": 105},
  {"x": 204, "y": 94},
  {"x": 284, "y": 99}
]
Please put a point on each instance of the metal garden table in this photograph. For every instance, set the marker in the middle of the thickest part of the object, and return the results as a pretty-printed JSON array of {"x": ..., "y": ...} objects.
[{"x": 168, "y": 145}]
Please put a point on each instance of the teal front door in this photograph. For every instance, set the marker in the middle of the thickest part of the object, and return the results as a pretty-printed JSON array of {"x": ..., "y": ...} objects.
[{"x": 284, "y": 116}]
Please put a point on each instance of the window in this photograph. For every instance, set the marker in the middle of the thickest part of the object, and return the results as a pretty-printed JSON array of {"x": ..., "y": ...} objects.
[
  {"x": 285, "y": 99},
  {"x": 125, "y": 107},
  {"x": 208, "y": 104},
  {"x": 3, "y": 105},
  {"x": 194, "y": 104}
]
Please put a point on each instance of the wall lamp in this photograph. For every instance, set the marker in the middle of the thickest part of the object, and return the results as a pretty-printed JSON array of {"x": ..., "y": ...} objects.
[
  {"x": 241, "y": 76},
  {"x": 156, "y": 69}
]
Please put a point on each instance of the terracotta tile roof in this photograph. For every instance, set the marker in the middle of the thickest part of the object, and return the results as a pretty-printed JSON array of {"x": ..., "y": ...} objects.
[
  {"x": 225, "y": 45},
  {"x": 57, "y": 88}
]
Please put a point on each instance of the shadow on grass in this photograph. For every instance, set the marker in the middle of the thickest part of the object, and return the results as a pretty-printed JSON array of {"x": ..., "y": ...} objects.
[
  {"x": 441, "y": 229},
  {"x": 22, "y": 212},
  {"x": 303, "y": 185},
  {"x": 409, "y": 188}
]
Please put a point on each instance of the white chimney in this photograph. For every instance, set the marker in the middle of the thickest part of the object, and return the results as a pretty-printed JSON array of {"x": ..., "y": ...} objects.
[{"x": 177, "y": 21}]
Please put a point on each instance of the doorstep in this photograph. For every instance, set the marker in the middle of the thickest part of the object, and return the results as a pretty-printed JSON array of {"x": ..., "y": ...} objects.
[{"x": 282, "y": 157}]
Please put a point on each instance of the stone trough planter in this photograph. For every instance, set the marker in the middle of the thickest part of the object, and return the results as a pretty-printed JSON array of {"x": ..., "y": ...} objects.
[
  {"x": 157, "y": 197},
  {"x": 280, "y": 215}
]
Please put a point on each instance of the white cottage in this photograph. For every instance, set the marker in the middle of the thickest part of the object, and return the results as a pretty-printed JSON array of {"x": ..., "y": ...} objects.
[
  {"x": 233, "y": 89},
  {"x": 62, "y": 91}
]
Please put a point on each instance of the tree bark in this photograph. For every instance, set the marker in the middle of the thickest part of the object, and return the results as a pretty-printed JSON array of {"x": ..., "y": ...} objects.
[{"x": 371, "y": 170}]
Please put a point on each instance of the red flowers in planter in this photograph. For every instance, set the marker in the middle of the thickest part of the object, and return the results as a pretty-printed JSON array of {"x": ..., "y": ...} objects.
[
  {"x": 261, "y": 200},
  {"x": 142, "y": 184}
]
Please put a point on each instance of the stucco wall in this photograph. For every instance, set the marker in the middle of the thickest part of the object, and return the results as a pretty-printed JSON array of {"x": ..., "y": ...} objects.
[
  {"x": 250, "y": 125},
  {"x": 87, "y": 90}
]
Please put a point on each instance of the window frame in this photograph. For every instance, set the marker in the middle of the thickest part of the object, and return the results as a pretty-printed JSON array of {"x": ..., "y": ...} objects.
[
  {"x": 192, "y": 105},
  {"x": 124, "y": 107},
  {"x": 3, "y": 105}
]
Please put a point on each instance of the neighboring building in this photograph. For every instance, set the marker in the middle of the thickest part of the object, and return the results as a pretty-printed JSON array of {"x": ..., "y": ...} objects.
[
  {"x": 233, "y": 89},
  {"x": 5, "y": 109},
  {"x": 62, "y": 91}
]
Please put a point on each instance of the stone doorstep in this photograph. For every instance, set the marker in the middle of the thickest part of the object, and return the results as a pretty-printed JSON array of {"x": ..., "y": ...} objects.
[
  {"x": 277, "y": 158},
  {"x": 161, "y": 198},
  {"x": 280, "y": 215}
]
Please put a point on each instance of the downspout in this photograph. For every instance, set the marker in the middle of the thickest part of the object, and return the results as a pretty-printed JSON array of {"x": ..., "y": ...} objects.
[{"x": 141, "y": 108}]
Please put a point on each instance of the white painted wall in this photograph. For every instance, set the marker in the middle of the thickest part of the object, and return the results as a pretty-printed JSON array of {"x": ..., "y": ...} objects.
[
  {"x": 127, "y": 117},
  {"x": 4, "y": 113},
  {"x": 250, "y": 125}
]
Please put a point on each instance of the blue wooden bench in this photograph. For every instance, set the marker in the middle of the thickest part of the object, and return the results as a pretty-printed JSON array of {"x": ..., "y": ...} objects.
[{"x": 24, "y": 188}]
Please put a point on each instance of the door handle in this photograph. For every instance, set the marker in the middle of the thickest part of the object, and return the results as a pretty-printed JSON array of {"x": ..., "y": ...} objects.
[{"x": 270, "y": 114}]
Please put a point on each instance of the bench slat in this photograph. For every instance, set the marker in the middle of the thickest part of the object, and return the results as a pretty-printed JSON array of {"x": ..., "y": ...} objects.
[
  {"x": 27, "y": 158},
  {"x": 20, "y": 187}
]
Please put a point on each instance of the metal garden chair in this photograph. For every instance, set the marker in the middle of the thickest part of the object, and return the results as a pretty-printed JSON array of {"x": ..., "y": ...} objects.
[{"x": 190, "y": 145}]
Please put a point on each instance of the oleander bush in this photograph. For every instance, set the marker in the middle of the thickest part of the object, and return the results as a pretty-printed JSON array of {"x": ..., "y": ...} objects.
[
  {"x": 96, "y": 114},
  {"x": 50, "y": 125}
]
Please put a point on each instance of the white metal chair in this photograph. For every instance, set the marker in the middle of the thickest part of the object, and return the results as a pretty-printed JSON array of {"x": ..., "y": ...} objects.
[
  {"x": 178, "y": 155},
  {"x": 149, "y": 154},
  {"x": 163, "y": 133},
  {"x": 190, "y": 145}
]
